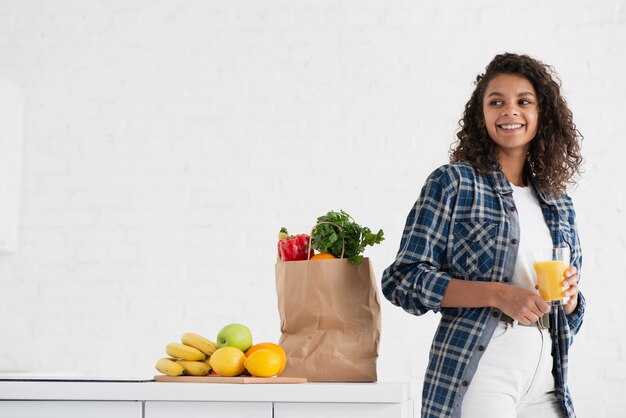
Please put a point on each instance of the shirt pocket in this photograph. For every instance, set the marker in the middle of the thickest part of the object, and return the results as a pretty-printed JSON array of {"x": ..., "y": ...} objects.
[{"x": 473, "y": 252}]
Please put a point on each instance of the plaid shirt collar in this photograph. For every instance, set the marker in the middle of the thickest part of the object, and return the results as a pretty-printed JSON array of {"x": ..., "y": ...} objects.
[{"x": 502, "y": 185}]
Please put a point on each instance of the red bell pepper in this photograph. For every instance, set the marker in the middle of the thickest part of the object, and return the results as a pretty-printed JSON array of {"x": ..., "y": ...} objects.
[{"x": 293, "y": 247}]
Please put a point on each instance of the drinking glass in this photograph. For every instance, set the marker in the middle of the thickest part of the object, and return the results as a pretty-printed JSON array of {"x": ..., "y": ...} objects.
[{"x": 550, "y": 265}]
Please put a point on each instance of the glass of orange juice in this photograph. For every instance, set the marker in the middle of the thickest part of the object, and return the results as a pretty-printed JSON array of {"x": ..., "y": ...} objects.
[{"x": 550, "y": 266}]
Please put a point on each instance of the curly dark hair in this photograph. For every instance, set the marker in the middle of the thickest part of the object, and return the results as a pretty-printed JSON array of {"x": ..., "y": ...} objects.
[{"x": 554, "y": 155}]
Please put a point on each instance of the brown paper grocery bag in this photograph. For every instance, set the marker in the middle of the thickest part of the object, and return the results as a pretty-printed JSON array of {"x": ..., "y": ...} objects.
[{"x": 329, "y": 319}]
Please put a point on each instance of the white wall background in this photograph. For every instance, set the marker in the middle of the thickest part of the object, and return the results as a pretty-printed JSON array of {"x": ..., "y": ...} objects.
[{"x": 166, "y": 142}]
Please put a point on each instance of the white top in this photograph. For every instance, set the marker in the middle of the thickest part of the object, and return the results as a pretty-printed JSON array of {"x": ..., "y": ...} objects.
[{"x": 534, "y": 234}]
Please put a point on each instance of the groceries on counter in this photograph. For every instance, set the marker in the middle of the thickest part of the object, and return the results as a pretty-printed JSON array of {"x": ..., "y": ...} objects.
[{"x": 232, "y": 355}]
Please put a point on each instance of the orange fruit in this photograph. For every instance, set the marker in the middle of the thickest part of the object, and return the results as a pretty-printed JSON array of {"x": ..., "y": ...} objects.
[
  {"x": 273, "y": 347},
  {"x": 263, "y": 363},
  {"x": 323, "y": 256}
]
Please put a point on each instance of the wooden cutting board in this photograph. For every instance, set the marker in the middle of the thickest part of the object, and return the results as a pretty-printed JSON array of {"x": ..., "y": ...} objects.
[{"x": 222, "y": 379}]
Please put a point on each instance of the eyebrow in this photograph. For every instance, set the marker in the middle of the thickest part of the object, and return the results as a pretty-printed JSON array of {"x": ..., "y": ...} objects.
[{"x": 497, "y": 93}]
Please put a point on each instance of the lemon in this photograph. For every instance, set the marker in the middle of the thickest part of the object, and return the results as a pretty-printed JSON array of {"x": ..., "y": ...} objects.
[
  {"x": 264, "y": 363},
  {"x": 227, "y": 361}
]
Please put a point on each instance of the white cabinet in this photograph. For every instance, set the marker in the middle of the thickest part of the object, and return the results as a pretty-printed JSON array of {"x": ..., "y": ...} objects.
[
  {"x": 11, "y": 131},
  {"x": 147, "y": 399},
  {"x": 342, "y": 410},
  {"x": 171, "y": 409},
  {"x": 208, "y": 409},
  {"x": 70, "y": 409}
]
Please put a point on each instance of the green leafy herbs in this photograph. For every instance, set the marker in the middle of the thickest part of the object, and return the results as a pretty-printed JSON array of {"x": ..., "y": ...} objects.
[{"x": 342, "y": 230}]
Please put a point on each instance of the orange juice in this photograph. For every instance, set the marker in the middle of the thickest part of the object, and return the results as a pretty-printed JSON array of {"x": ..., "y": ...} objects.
[{"x": 549, "y": 279}]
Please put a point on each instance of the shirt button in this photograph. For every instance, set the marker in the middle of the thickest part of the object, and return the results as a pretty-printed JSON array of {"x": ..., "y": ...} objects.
[
  {"x": 496, "y": 314},
  {"x": 514, "y": 241},
  {"x": 512, "y": 208},
  {"x": 473, "y": 237},
  {"x": 481, "y": 348},
  {"x": 465, "y": 383},
  {"x": 506, "y": 279}
]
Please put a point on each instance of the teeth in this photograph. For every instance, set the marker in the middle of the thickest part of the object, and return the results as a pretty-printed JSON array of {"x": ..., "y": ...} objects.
[{"x": 511, "y": 126}]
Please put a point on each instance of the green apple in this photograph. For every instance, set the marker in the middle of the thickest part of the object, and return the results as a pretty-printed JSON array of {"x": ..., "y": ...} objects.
[{"x": 235, "y": 335}]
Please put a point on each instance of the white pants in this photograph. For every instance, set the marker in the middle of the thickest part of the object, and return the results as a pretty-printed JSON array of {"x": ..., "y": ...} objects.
[{"x": 514, "y": 377}]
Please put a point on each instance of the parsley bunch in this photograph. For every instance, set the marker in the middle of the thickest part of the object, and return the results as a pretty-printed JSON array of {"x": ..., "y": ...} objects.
[{"x": 342, "y": 230}]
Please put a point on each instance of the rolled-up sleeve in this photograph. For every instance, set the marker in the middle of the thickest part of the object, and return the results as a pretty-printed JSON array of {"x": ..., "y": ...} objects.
[
  {"x": 414, "y": 281},
  {"x": 575, "y": 319}
]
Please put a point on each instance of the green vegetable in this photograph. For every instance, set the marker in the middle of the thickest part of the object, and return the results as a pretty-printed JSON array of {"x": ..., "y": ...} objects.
[{"x": 344, "y": 231}]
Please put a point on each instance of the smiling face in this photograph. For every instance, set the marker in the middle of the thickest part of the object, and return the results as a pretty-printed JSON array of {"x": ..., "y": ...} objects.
[{"x": 511, "y": 113}]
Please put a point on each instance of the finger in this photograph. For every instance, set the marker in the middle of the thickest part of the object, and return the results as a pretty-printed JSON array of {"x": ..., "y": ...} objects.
[
  {"x": 570, "y": 284},
  {"x": 542, "y": 307},
  {"x": 571, "y": 291},
  {"x": 571, "y": 271},
  {"x": 537, "y": 315},
  {"x": 526, "y": 319},
  {"x": 571, "y": 301}
]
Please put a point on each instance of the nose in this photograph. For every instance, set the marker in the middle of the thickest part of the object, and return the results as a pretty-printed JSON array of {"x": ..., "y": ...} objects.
[{"x": 510, "y": 109}]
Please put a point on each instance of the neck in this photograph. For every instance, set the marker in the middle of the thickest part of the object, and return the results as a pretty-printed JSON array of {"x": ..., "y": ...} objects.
[{"x": 513, "y": 168}]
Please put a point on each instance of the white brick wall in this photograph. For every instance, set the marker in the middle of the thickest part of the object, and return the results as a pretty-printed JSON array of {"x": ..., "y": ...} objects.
[{"x": 167, "y": 142}]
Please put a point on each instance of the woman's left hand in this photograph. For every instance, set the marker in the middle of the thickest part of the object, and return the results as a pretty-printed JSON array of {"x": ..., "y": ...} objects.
[{"x": 570, "y": 290}]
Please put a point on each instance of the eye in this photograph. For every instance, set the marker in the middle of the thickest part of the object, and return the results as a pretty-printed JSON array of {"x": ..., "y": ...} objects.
[
  {"x": 495, "y": 103},
  {"x": 523, "y": 102}
]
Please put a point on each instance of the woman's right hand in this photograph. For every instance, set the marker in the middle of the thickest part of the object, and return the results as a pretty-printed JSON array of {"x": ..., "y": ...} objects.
[{"x": 520, "y": 304}]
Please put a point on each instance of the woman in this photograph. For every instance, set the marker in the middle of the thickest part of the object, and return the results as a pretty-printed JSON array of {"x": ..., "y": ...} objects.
[{"x": 499, "y": 351}]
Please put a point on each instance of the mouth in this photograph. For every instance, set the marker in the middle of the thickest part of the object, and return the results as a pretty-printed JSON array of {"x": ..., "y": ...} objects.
[{"x": 510, "y": 127}]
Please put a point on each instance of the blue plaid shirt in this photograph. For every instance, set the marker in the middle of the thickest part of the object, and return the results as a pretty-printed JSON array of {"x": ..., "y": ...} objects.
[{"x": 464, "y": 225}]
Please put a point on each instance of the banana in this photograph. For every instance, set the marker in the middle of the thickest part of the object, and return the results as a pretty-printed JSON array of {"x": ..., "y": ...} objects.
[
  {"x": 195, "y": 368},
  {"x": 194, "y": 340},
  {"x": 169, "y": 367},
  {"x": 184, "y": 352}
]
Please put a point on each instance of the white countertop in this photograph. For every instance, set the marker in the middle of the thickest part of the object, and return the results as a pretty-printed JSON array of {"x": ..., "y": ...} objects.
[{"x": 72, "y": 389}]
